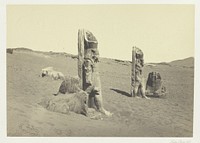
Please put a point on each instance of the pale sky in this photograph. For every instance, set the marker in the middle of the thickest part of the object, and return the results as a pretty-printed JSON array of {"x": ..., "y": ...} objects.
[{"x": 163, "y": 32}]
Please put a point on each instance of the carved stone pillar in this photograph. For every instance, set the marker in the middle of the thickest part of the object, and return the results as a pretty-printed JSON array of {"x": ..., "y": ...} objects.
[{"x": 87, "y": 56}]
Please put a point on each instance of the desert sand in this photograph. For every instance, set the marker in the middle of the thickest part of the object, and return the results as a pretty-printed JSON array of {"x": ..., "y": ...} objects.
[{"x": 171, "y": 116}]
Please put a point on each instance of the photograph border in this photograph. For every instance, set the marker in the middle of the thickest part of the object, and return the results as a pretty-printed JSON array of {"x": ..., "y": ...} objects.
[{"x": 3, "y": 117}]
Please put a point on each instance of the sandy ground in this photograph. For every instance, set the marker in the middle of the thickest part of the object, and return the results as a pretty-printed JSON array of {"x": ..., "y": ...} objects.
[{"x": 159, "y": 117}]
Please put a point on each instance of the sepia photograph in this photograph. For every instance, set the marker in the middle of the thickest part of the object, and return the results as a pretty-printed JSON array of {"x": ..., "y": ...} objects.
[{"x": 100, "y": 70}]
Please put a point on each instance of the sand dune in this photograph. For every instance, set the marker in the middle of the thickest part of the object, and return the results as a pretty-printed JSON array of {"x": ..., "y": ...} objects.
[
  {"x": 159, "y": 117},
  {"x": 188, "y": 62}
]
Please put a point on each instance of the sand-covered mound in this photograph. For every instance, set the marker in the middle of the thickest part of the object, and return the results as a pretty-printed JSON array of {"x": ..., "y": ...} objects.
[
  {"x": 69, "y": 85},
  {"x": 66, "y": 103}
]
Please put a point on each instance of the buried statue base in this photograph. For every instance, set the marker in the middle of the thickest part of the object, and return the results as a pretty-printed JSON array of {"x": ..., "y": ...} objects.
[{"x": 154, "y": 86}]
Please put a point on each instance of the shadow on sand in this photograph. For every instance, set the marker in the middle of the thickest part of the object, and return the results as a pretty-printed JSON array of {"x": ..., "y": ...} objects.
[{"x": 121, "y": 92}]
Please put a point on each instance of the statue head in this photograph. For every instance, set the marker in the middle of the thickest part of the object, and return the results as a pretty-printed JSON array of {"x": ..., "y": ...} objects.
[
  {"x": 91, "y": 46},
  {"x": 95, "y": 55},
  {"x": 139, "y": 53}
]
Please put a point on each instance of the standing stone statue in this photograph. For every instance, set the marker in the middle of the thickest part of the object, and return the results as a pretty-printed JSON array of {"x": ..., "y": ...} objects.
[
  {"x": 137, "y": 80},
  {"x": 88, "y": 70}
]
